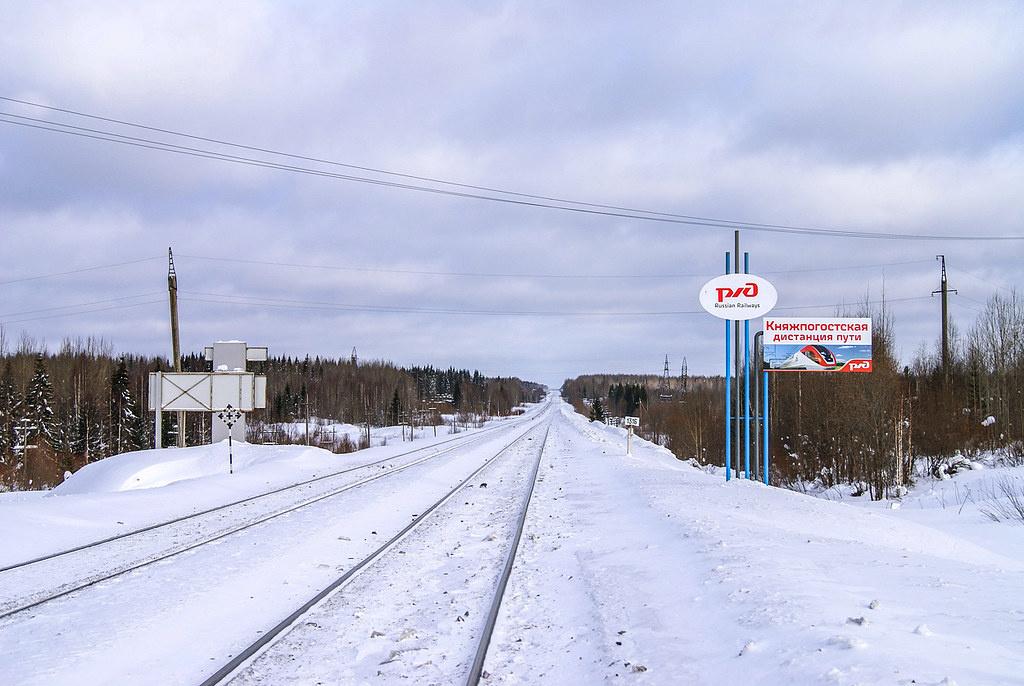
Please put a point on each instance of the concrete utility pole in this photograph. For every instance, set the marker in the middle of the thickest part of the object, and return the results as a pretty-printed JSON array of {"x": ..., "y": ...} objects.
[
  {"x": 944, "y": 290},
  {"x": 172, "y": 292}
]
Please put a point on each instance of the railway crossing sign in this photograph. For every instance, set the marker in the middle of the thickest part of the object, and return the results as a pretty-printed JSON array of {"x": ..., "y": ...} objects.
[{"x": 229, "y": 416}]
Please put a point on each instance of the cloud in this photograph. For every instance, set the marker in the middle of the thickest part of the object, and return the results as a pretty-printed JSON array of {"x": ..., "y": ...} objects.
[{"x": 868, "y": 116}]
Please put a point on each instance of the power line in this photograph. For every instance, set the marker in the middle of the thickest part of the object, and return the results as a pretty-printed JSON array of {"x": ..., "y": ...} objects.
[
  {"x": 17, "y": 318},
  {"x": 979, "y": 278},
  {"x": 468, "y": 190},
  {"x": 79, "y": 271},
  {"x": 260, "y": 301},
  {"x": 500, "y": 275},
  {"x": 87, "y": 304}
]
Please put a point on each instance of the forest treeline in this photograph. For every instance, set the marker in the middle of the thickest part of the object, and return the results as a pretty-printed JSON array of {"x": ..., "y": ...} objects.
[
  {"x": 875, "y": 431},
  {"x": 62, "y": 410}
]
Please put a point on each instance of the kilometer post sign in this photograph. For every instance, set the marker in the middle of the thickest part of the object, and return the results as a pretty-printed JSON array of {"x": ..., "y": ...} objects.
[{"x": 808, "y": 344}]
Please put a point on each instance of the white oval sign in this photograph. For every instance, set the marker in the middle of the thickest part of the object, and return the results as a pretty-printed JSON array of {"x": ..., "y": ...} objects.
[{"x": 738, "y": 296}]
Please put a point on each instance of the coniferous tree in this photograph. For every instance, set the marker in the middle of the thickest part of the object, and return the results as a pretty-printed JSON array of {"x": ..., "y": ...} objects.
[
  {"x": 87, "y": 434},
  {"x": 395, "y": 411},
  {"x": 124, "y": 423},
  {"x": 456, "y": 395},
  {"x": 41, "y": 428},
  {"x": 8, "y": 407},
  {"x": 37, "y": 406}
]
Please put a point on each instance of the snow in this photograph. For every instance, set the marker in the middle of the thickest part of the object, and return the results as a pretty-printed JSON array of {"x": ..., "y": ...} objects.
[{"x": 638, "y": 569}]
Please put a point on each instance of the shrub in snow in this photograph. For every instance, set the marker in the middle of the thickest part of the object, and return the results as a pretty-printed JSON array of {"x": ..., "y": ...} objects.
[
  {"x": 1005, "y": 503},
  {"x": 945, "y": 467}
]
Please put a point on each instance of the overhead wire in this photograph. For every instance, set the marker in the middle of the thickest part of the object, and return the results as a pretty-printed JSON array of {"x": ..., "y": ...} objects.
[
  {"x": 467, "y": 190},
  {"x": 17, "y": 317},
  {"x": 80, "y": 271},
  {"x": 260, "y": 301},
  {"x": 501, "y": 275},
  {"x": 979, "y": 278}
]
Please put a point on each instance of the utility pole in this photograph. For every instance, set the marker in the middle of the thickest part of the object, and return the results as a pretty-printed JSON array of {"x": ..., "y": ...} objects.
[
  {"x": 944, "y": 290},
  {"x": 172, "y": 292}
]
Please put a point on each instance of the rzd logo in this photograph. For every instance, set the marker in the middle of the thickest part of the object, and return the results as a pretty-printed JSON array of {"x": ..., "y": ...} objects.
[
  {"x": 747, "y": 290},
  {"x": 738, "y": 296},
  {"x": 860, "y": 365}
]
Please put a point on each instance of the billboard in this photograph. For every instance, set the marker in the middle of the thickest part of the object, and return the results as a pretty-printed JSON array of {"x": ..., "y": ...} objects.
[
  {"x": 205, "y": 391},
  {"x": 811, "y": 344}
]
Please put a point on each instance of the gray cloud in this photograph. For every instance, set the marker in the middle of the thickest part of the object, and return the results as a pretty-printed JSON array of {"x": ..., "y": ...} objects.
[{"x": 870, "y": 116}]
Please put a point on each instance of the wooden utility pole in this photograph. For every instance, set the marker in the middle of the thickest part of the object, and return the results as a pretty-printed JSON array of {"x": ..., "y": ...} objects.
[
  {"x": 944, "y": 290},
  {"x": 172, "y": 292}
]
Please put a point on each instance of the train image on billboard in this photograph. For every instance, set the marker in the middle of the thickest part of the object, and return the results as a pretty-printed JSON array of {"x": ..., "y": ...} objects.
[{"x": 814, "y": 357}]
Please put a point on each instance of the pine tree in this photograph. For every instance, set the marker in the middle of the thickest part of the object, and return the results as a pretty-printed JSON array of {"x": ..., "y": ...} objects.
[
  {"x": 87, "y": 433},
  {"x": 9, "y": 402},
  {"x": 456, "y": 395},
  {"x": 41, "y": 434},
  {"x": 124, "y": 420},
  {"x": 37, "y": 406},
  {"x": 597, "y": 411},
  {"x": 395, "y": 411}
]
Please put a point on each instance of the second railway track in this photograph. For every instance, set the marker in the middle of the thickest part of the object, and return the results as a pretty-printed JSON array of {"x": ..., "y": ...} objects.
[{"x": 436, "y": 630}]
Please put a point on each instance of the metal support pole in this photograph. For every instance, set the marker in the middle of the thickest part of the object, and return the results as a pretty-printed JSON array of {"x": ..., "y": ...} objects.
[
  {"x": 746, "y": 381},
  {"x": 728, "y": 390},
  {"x": 758, "y": 411},
  {"x": 764, "y": 409},
  {"x": 156, "y": 400},
  {"x": 736, "y": 365}
]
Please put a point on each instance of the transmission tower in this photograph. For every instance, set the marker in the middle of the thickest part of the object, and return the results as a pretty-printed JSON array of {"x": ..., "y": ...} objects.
[
  {"x": 683, "y": 378},
  {"x": 665, "y": 390}
]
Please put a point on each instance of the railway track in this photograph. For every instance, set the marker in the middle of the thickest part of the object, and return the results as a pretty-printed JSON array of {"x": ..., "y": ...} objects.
[
  {"x": 336, "y": 615},
  {"x": 31, "y": 583},
  {"x": 153, "y": 568}
]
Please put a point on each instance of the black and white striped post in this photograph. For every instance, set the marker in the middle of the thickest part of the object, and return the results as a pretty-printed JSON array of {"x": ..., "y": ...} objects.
[{"x": 229, "y": 416}]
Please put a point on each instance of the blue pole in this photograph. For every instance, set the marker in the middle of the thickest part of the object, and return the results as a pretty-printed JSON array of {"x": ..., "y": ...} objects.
[
  {"x": 746, "y": 381},
  {"x": 746, "y": 397},
  {"x": 728, "y": 390},
  {"x": 764, "y": 410}
]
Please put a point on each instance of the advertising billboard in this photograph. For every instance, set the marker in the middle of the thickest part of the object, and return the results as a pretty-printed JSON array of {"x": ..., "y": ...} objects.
[{"x": 811, "y": 344}]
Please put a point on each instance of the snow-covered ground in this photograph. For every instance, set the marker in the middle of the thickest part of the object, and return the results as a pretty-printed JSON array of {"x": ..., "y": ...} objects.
[{"x": 635, "y": 569}]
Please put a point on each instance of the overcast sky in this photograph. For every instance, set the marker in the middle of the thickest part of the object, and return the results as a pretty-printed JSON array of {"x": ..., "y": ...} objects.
[{"x": 399, "y": 174}]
